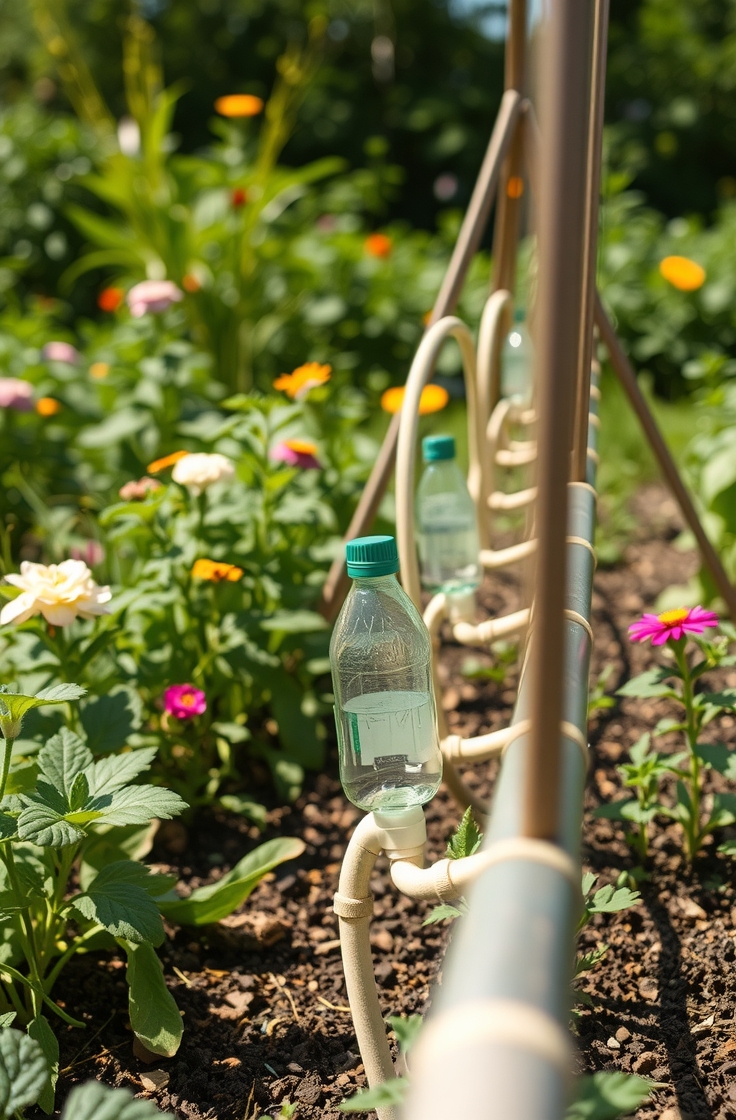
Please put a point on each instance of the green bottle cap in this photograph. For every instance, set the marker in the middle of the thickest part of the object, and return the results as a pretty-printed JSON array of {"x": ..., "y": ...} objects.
[
  {"x": 369, "y": 557},
  {"x": 438, "y": 447}
]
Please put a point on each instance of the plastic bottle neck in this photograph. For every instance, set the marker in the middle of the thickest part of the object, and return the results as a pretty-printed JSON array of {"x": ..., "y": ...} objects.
[{"x": 375, "y": 583}]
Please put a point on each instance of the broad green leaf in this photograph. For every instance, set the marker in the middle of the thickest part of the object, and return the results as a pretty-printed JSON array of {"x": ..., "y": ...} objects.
[
  {"x": 118, "y": 898},
  {"x": 23, "y": 1071},
  {"x": 154, "y": 1016},
  {"x": 40, "y": 1030},
  {"x": 467, "y": 838},
  {"x": 14, "y": 705},
  {"x": 589, "y": 878},
  {"x": 606, "y": 1096},
  {"x": 62, "y": 759},
  {"x": 610, "y": 899},
  {"x": 406, "y": 1028},
  {"x": 718, "y": 756},
  {"x": 108, "y": 845},
  {"x": 109, "y": 720},
  {"x": 138, "y": 805},
  {"x": 215, "y": 901},
  {"x": 390, "y": 1094},
  {"x": 44, "y": 825},
  {"x": 111, "y": 773},
  {"x": 443, "y": 912},
  {"x": 8, "y": 826},
  {"x": 650, "y": 683},
  {"x": 60, "y": 693},
  {"x": 95, "y": 1101}
]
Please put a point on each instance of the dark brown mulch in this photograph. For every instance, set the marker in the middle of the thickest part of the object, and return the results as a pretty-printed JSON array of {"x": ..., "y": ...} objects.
[{"x": 263, "y": 997}]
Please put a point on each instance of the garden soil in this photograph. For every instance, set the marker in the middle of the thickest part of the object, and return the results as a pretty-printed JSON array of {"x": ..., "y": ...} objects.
[{"x": 262, "y": 994}]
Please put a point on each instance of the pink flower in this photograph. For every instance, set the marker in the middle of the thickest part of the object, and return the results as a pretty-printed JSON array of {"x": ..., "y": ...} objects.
[
  {"x": 296, "y": 453},
  {"x": 16, "y": 394},
  {"x": 151, "y": 296},
  {"x": 184, "y": 701},
  {"x": 672, "y": 624},
  {"x": 61, "y": 352},
  {"x": 138, "y": 489},
  {"x": 93, "y": 553}
]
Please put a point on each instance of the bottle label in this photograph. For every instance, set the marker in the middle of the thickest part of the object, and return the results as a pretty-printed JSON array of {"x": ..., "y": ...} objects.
[{"x": 384, "y": 724}]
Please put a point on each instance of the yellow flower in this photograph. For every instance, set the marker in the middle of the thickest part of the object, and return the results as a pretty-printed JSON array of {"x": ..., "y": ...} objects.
[
  {"x": 239, "y": 105},
  {"x": 98, "y": 370},
  {"x": 47, "y": 406},
  {"x": 167, "y": 461},
  {"x": 216, "y": 571},
  {"x": 682, "y": 273},
  {"x": 301, "y": 446},
  {"x": 433, "y": 398},
  {"x": 297, "y": 384}
]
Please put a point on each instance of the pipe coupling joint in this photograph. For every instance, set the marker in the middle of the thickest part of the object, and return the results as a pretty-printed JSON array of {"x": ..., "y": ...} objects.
[{"x": 352, "y": 909}]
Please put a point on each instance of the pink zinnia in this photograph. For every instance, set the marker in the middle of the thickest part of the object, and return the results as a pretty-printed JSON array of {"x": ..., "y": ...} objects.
[
  {"x": 16, "y": 394},
  {"x": 61, "y": 352},
  {"x": 138, "y": 489},
  {"x": 184, "y": 701},
  {"x": 672, "y": 624},
  {"x": 93, "y": 553},
  {"x": 296, "y": 453},
  {"x": 152, "y": 295}
]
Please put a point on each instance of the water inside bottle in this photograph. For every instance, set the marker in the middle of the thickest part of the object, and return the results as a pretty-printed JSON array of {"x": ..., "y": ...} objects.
[
  {"x": 390, "y": 737},
  {"x": 448, "y": 544}
]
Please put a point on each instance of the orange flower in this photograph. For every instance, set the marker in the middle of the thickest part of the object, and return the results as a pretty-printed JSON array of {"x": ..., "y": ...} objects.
[
  {"x": 216, "y": 571},
  {"x": 110, "y": 299},
  {"x": 190, "y": 283},
  {"x": 239, "y": 105},
  {"x": 433, "y": 398},
  {"x": 47, "y": 406},
  {"x": 682, "y": 273},
  {"x": 301, "y": 446},
  {"x": 297, "y": 384},
  {"x": 378, "y": 245},
  {"x": 515, "y": 187},
  {"x": 167, "y": 461},
  {"x": 98, "y": 370}
]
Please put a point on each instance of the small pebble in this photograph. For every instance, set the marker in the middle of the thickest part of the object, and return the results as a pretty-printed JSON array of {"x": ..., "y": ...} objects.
[
  {"x": 154, "y": 1079},
  {"x": 613, "y": 1044},
  {"x": 622, "y": 1034}
]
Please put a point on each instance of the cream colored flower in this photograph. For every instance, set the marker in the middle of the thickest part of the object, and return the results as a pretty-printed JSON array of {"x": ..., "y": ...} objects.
[
  {"x": 59, "y": 592},
  {"x": 198, "y": 471}
]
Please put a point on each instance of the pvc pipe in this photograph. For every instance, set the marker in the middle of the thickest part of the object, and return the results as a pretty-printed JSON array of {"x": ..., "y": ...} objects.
[
  {"x": 499, "y": 558},
  {"x": 420, "y": 373},
  {"x": 493, "y": 628},
  {"x": 502, "y": 501},
  {"x": 478, "y": 748}
]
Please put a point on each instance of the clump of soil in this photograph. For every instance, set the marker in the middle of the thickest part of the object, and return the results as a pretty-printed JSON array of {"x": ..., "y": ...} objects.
[{"x": 263, "y": 996}]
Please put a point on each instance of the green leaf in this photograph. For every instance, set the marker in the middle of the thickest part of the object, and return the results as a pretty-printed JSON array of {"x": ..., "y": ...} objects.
[
  {"x": 589, "y": 878},
  {"x": 297, "y": 731},
  {"x": 406, "y": 1028},
  {"x": 295, "y": 622},
  {"x": 215, "y": 901},
  {"x": 724, "y": 810},
  {"x": 154, "y": 1016},
  {"x": 111, "y": 773},
  {"x": 610, "y": 899},
  {"x": 7, "y": 1018},
  {"x": 138, "y": 805},
  {"x": 442, "y": 913},
  {"x": 725, "y": 699},
  {"x": 389, "y": 1094},
  {"x": 606, "y": 1096},
  {"x": 132, "y": 841},
  {"x": 586, "y": 961},
  {"x": 62, "y": 759},
  {"x": 40, "y": 1030},
  {"x": 650, "y": 683},
  {"x": 60, "y": 693},
  {"x": 718, "y": 756},
  {"x": 109, "y": 720},
  {"x": 47, "y": 826},
  {"x": 467, "y": 838},
  {"x": 23, "y": 1071},
  {"x": 14, "y": 705},
  {"x": 119, "y": 900},
  {"x": 95, "y": 1101}
]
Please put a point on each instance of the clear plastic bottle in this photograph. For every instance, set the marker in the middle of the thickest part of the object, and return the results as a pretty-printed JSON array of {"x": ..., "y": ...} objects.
[
  {"x": 447, "y": 528},
  {"x": 517, "y": 357},
  {"x": 385, "y": 712}
]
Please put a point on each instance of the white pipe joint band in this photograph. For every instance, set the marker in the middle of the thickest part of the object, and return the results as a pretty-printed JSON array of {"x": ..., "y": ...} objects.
[
  {"x": 352, "y": 909},
  {"x": 402, "y": 834}
]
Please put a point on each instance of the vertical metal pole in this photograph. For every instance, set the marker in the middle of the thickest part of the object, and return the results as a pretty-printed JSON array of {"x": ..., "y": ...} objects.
[
  {"x": 595, "y": 136},
  {"x": 562, "y": 244},
  {"x": 511, "y": 187}
]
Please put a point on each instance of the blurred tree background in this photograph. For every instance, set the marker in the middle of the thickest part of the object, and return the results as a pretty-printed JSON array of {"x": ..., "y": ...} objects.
[{"x": 416, "y": 83}]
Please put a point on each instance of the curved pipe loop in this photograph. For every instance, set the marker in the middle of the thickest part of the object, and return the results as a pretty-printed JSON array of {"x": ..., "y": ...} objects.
[
  {"x": 499, "y": 500},
  {"x": 499, "y": 558},
  {"x": 483, "y": 633},
  {"x": 420, "y": 373}
]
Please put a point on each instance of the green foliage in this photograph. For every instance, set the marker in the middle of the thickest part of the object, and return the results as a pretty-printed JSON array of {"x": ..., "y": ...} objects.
[
  {"x": 23, "y": 1072},
  {"x": 154, "y": 1016},
  {"x": 599, "y": 701},
  {"x": 94, "y": 1101},
  {"x": 406, "y": 1028},
  {"x": 389, "y": 1094},
  {"x": 608, "y": 1095},
  {"x": 466, "y": 839}
]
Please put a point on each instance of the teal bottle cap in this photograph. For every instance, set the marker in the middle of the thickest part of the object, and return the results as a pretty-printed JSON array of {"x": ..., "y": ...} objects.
[
  {"x": 438, "y": 447},
  {"x": 369, "y": 557},
  {"x": 519, "y": 315}
]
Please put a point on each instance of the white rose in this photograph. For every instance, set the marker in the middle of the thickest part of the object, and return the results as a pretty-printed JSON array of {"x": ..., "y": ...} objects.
[
  {"x": 59, "y": 592},
  {"x": 198, "y": 471}
]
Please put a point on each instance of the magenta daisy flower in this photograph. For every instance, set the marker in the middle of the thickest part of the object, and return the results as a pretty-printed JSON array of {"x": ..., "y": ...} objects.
[
  {"x": 672, "y": 624},
  {"x": 184, "y": 701}
]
